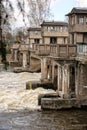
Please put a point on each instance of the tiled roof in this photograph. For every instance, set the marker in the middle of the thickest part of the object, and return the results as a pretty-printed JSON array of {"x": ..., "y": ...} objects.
[
  {"x": 78, "y": 11},
  {"x": 55, "y": 23}
]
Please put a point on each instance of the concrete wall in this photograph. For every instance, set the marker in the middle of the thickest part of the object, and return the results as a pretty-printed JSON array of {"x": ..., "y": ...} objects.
[
  {"x": 60, "y": 40},
  {"x": 81, "y": 81},
  {"x": 31, "y": 40},
  {"x": 61, "y": 74},
  {"x": 34, "y": 35},
  {"x": 61, "y": 35},
  {"x": 78, "y": 28},
  {"x": 79, "y": 37}
]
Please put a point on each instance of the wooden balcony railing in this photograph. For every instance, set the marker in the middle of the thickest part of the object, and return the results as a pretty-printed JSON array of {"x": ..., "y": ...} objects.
[{"x": 59, "y": 50}]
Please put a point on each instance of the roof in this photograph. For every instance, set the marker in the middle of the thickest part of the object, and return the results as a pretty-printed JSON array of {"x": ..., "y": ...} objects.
[
  {"x": 54, "y": 23},
  {"x": 34, "y": 29},
  {"x": 77, "y": 11}
]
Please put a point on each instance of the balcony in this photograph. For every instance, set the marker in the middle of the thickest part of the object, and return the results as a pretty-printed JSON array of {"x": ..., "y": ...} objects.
[
  {"x": 78, "y": 28},
  {"x": 58, "y": 50}
]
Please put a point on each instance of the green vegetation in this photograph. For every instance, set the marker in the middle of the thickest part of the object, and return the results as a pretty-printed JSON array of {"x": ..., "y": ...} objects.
[{"x": 3, "y": 54}]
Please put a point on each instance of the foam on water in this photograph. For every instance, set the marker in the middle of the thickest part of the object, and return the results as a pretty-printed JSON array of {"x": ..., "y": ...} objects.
[{"x": 13, "y": 93}]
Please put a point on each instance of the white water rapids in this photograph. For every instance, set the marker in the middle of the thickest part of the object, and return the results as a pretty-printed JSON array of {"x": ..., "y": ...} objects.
[{"x": 13, "y": 93}]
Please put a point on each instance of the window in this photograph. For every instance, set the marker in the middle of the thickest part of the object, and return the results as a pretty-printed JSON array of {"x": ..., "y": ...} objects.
[
  {"x": 53, "y": 40},
  {"x": 36, "y": 41},
  {"x": 65, "y": 29},
  {"x": 60, "y": 28},
  {"x": 82, "y": 49},
  {"x": 47, "y": 28},
  {"x": 80, "y": 20},
  {"x": 53, "y": 28}
]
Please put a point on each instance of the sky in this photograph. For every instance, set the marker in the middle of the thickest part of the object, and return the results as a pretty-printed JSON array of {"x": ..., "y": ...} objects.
[{"x": 59, "y": 8}]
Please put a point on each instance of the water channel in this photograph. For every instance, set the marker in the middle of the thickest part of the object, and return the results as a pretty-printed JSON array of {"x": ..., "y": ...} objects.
[{"x": 19, "y": 109}]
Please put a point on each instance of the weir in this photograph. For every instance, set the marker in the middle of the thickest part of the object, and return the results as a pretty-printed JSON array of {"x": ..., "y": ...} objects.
[
  {"x": 62, "y": 53},
  {"x": 59, "y": 70}
]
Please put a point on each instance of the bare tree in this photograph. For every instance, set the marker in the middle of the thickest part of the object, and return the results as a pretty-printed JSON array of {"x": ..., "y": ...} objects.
[
  {"x": 39, "y": 10},
  {"x": 5, "y": 9},
  {"x": 34, "y": 10}
]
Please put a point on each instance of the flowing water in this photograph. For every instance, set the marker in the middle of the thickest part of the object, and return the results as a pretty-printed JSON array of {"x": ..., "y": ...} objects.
[{"x": 19, "y": 109}]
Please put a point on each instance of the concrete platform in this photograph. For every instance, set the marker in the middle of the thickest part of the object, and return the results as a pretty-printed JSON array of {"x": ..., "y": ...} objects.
[
  {"x": 59, "y": 103},
  {"x": 48, "y": 95},
  {"x": 27, "y": 69},
  {"x": 37, "y": 84}
]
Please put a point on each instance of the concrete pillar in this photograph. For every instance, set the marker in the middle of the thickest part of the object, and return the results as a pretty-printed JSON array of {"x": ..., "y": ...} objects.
[
  {"x": 65, "y": 81},
  {"x": 24, "y": 59},
  {"x": 66, "y": 41},
  {"x": 77, "y": 81},
  {"x": 71, "y": 39},
  {"x": 76, "y": 21},
  {"x": 15, "y": 55},
  {"x": 75, "y": 38},
  {"x": 53, "y": 72},
  {"x": 59, "y": 78},
  {"x": 81, "y": 78},
  {"x": 12, "y": 55},
  {"x": 49, "y": 73},
  {"x": 43, "y": 69},
  {"x": 85, "y": 20}
]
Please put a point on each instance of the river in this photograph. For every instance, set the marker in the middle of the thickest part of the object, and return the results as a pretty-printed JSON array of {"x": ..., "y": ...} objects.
[{"x": 19, "y": 109}]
